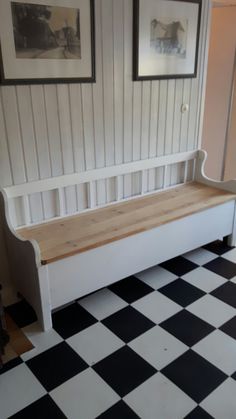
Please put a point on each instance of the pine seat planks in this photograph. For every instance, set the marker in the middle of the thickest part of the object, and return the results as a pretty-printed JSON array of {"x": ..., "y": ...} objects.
[{"x": 68, "y": 236}]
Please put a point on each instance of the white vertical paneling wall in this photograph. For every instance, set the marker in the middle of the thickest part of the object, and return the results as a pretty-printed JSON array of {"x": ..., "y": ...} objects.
[{"x": 48, "y": 130}]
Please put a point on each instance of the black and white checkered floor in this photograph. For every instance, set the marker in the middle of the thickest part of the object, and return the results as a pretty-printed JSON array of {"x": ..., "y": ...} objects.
[{"x": 161, "y": 345}]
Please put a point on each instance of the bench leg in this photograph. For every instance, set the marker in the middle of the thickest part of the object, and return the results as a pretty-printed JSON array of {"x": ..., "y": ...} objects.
[
  {"x": 45, "y": 311},
  {"x": 231, "y": 239}
]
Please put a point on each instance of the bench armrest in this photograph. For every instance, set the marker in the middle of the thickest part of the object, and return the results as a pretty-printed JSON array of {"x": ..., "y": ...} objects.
[{"x": 201, "y": 177}]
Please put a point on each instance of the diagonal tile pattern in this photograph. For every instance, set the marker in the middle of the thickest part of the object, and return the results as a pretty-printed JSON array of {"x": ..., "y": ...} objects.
[{"x": 160, "y": 344}]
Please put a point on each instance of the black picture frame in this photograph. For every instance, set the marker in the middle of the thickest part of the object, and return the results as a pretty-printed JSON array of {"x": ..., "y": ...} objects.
[
  {"x": 85, "y": 78},
  {"x": 167, "y": 51}
]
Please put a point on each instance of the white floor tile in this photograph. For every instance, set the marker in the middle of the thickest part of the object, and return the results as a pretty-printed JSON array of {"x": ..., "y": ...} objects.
[
  {"x": 212, "y": 310},
  {"x": 159, "y": 398},
  {"x": 41, "y": 340},
  {"x": 18, "y": 388},
  {"x": 157, "y": 307},
  {"x": 200, "y": 256},
  {"x": 231, "y": 255},
  {"x": 84, "y": 396},
  {"x": 95, "y": 343},
  {"x": 103, "y": 303},
  {"x": 204, "y": 279},
  {"x": 233, "y": 280},
  {"x": 156, "y": 277},
  {"x": 220, "y": 350},
  {"x": 221, "y": 404},
  {"x": 158, "y": 347}
]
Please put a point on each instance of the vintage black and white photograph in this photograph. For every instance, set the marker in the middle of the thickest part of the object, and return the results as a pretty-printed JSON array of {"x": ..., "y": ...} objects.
[
  {"x": 48, "y": 32},
  {"x": 166, "y": 38},
  {"x": 47, "y": 41},
  {"x": 169, "y": 37}
]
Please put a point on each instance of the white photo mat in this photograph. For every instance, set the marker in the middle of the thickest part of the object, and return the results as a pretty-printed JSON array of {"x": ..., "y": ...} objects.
[
  {"x": 166, "y": 38},
  {"x": 33, "y": 69}
]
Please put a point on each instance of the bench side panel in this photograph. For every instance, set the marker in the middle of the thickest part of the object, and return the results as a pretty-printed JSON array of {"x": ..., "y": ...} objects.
[{"x": 26, "y": 271}]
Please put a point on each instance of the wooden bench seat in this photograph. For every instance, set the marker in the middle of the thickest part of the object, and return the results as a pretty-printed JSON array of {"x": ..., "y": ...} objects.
[{"x": 68, "y": 236}]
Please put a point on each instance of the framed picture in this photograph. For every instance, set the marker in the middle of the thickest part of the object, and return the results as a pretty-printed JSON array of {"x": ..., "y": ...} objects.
[
  {"x": 47, "y": 41},
  {"x": 165, "y": 39}
]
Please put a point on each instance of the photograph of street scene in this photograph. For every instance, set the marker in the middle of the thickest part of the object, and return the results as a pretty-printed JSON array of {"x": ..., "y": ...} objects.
[
  {"x": 169, "y": 37},
  {"x": 47, "y": 32}
]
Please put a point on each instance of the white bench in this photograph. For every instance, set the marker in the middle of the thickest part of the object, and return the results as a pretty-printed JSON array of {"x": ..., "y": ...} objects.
[{"x": 60, "y": 260}]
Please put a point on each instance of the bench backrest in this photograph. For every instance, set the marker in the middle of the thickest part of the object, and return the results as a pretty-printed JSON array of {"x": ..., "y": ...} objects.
[{"x": 169, "y": 171}]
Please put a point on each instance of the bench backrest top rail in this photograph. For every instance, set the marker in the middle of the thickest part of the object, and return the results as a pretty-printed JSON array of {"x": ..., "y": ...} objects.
[{"x": 59, "y": 182}]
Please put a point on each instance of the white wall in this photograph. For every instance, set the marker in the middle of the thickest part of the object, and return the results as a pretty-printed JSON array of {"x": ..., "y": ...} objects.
[
  {"x": 219, "y": 80},
  {"x": 54, "y": 129}
]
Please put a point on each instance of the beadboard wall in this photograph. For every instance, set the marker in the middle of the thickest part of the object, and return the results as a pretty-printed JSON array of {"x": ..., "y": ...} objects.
[{"x": 49, "y": 130}]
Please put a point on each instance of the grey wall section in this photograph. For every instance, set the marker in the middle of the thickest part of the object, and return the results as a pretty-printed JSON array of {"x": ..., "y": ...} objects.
[{"x": 48, "y": 130}]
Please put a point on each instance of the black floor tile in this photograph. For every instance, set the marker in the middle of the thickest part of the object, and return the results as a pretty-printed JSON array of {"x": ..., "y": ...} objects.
[
  {"x": 71, "y": 320},
  {"x": 44, "y": 408},
  {"x": 179, "y": 266},
  {"x": 56, "y": 365},
  {"x": 187, "y": 327},
  {"x": 234, "y": 376},
  {"x": 226, "y": 293},
  {"x": 128, "y": 324},
  {"x": 230, "y": 328},
  {"x": 119, "y": 411},
  {"x": 22, "y": 313},
  {"x": 194, "y": 375},
  {"x": 124, "y": 370},
  {"x": 131, "y": 289},
  {"x": 11, "y": 364},
  {"x": 222, "y": 267},
  {"x": 181, "y": 292},
  {"x": 198, "y": 413},
  {"x": 218, "y": 247}
]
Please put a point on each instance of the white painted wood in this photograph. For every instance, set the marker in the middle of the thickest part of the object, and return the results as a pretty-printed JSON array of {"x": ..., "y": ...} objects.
[
  {"x": 108, "y": 79},
  {"x": 61, "y": 208},
  {"x": 170, "y": 116},
  {"x": 118, "y": 43},
  {"x": 99, "y": 137},
  {"x": 137, "y": 121},
  {"x": 179, "y": 86},
  {"x": 92, "y": 175},
  {"x": 119, "y": 188},
  {"x": 186, "y": 167},
  {"x": 203, "y": 60},
  {"x": 92, "y": 270},
  {"x": 164, "y": 177},
  {"x": 45, "y": 316},
  {"x": 24, "y": 266},
  {"x": 53, "y": 124},
  {"x": 5, "y": 164},
  {"x": 231, "y": 239},
  {"x": 162, "y": 117},
  {"x": 185, "y": 116},
  {"x": 10, "y": 114},
  {"x": 144, "y": 182},
  {"x": 154, "y": 111},
  {"x": 26, "y": 205},
  {"x": 145, "y": 119},
  {"x": 201, "y": 177},
  {"x": 128, "y": 93},
  {"x": 92, "y": 195}
]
